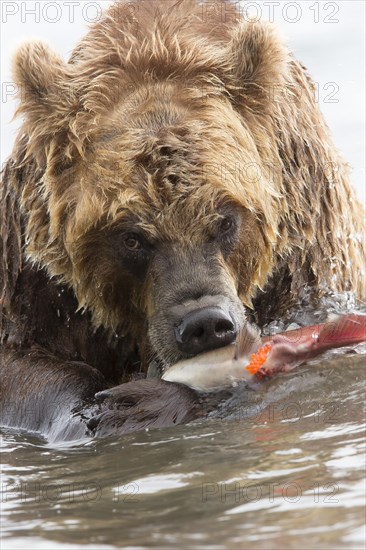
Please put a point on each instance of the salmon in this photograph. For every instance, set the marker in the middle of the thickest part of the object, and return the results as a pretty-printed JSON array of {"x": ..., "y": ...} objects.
[{"x": 258, "y": 357}]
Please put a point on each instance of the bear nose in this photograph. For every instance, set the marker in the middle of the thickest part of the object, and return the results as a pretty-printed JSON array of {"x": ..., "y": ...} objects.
[{"x": 204, "y": 329}]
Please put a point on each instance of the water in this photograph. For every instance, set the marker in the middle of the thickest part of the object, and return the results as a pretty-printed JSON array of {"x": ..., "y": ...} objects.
[
  {"x": 280, "y": 468},
  {"x": 284, "y": 468}
]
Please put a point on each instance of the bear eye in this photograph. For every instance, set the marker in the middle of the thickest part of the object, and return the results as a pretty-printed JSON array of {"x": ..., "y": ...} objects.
[
  {"x": 226, "y": 224},
  {"x": 132, "y": 242}
]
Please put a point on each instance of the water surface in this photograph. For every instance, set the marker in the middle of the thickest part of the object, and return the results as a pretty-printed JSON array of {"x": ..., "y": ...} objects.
[{"x": 283, "y": 467}]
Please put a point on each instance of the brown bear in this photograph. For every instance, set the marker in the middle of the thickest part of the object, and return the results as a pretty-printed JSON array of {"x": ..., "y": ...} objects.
[{"x": 173, "y": 181}]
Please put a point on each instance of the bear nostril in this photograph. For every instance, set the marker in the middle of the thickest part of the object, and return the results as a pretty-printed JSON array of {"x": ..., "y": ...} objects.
[
  {"x": 223, "y": 326},
  {"x": 204, "y": 329},
  {"x": 198, "y": 333}
]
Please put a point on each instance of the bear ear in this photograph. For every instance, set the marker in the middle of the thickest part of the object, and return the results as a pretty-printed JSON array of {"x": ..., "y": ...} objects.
[
  {"x": 39, "y": 74},
  {"x": 43, "y": 81},
  {"x": 260, "y": 63},
  {"x": 46, "y": 92}
]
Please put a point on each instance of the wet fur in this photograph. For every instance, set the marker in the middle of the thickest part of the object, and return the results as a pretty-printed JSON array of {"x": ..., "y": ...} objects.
[{"x": 151, "y": 113}]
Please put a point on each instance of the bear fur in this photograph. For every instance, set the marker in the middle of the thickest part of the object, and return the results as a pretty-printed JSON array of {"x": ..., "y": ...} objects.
[{"x": 165, "y": 121}]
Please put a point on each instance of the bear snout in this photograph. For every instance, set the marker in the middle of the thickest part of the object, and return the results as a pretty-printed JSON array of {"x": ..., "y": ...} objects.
[{"x": 205, "y": 329}]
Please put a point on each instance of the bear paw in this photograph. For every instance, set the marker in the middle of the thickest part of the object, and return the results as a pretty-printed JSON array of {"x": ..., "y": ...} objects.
[{"x": 143, "y": 404}]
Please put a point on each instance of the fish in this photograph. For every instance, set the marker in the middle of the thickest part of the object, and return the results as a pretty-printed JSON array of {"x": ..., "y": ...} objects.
[{"x": 256, "y": 357}]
